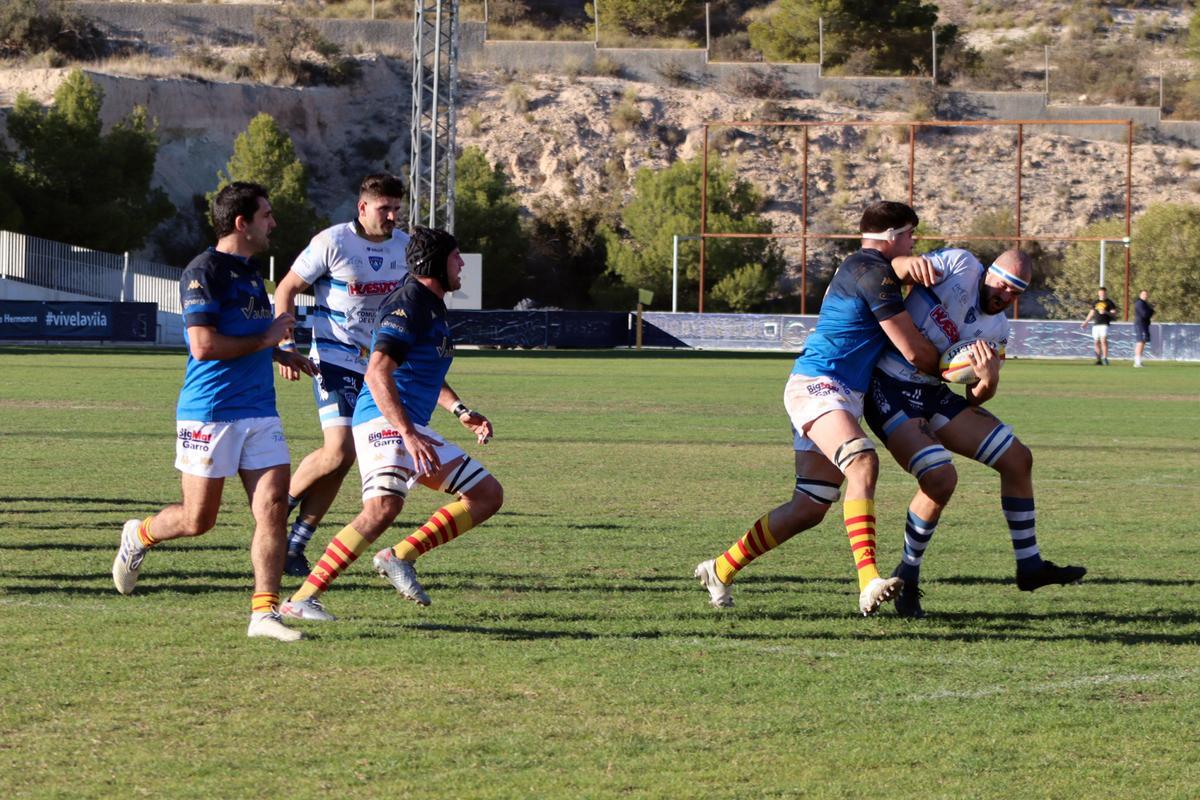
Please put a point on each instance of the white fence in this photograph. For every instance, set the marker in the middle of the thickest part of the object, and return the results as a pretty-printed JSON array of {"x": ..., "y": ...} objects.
[
  {"x": 55, "y": 267},
  {"x": 77, "y": 270}
]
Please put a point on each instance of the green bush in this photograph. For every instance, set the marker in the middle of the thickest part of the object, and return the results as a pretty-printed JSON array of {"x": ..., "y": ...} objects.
[
  {"x": 28, "y": 27},
  {"x": 265, "y": 155},
  {"x": 487, "y": 220},
  {"x": 667, "y": 202},
  {"x": 72, "y": 182}
]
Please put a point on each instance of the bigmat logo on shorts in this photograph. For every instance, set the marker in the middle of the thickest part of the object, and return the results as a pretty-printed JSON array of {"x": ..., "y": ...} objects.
[
  {"x": 195, "y": 440},
  {"x": 385, "y": 436}
]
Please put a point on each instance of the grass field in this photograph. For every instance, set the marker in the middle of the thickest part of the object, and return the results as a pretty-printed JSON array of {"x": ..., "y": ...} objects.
[{"x": 568, "y": 651}]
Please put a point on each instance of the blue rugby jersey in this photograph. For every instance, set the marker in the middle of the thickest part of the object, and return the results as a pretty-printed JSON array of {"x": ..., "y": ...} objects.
[
  {"x": 848, "y": 340},
  {"x": 414, "y": 319},
  {"x": 226, "y": 292}
]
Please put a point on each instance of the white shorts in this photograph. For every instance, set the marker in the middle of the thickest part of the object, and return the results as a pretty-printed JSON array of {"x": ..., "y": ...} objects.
[
  {"x": 222, "y": 449},
  {"x": 1099, "y": 332},
  {"x": 387, "y": 468},
  {"x": 807, "y": 398}
]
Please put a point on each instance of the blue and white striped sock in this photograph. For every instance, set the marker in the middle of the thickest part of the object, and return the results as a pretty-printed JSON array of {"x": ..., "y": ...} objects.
[
  {"x": 917, "y": 533},
  {"x": 300, "y": 536},
  {"x": 1022, "y": 526}
]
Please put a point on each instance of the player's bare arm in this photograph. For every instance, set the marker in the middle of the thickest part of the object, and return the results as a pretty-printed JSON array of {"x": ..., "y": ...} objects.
[
  {"x": 911, "y": 343},
  {"x": 206, "y": 344},
  {"x": 986, "y": 362},
  {"x": 916, "y": 269},
  {"x": 285, "y": 303},
  {"x": 472, "y": 420},
  {"x": 387, "y": 397}
]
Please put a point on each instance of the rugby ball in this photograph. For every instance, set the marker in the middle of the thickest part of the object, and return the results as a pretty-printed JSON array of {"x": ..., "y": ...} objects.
[{"x": 955, "y": 365}]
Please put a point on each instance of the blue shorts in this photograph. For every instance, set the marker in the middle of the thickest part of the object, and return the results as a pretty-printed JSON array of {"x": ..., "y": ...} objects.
[
  {"x": 336, "y": 391},
  {"x": 892, "y": 402},
  {"x": 1141, "y": 334}
]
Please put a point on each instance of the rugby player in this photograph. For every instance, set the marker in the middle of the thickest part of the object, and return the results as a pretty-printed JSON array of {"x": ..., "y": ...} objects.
[
  {"x": 227, "y": 423},
  {"x": 405, "y": 382},
  {"x": 353, "y": 267},
  {"x": 862, "y": 311},
  {"x": 917, "y": 417}
]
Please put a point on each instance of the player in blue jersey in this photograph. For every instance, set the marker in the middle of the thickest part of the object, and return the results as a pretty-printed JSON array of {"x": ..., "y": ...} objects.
[
  {"x": 352, "y": 267},
  {"x": 862, "y": 312},
  {"x": 917, "y": 417},
  {"x": 405, "y": 382},
  {"x": 226, "y": 421}
]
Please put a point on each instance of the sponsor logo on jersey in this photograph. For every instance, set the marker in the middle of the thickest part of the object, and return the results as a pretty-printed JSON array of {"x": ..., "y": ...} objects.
[
  {"x": 250, "y": 312},
  {"x": 195, "y": 285},
  {"x": 372, "y": 287},
  {"x": 445, "y": 348},
  {"x": 376, "y": 262},
  {"x": 941, "y": 318}
]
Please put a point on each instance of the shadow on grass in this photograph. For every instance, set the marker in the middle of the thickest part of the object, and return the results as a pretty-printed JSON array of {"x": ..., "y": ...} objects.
[{"x": 112, "y": 548}]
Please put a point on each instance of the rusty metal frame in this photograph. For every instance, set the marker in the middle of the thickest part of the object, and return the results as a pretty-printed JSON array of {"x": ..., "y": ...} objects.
[{"x": 912, "y": 126}]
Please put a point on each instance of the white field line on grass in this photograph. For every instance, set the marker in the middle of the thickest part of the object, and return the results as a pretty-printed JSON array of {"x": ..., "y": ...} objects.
[{"x": 1080, "y": 682}]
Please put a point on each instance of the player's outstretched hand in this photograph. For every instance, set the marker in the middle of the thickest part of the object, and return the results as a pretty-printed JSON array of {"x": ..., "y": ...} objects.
[
  {"x": 423, "y": 451},
  {"x": 479, "y": 425}
]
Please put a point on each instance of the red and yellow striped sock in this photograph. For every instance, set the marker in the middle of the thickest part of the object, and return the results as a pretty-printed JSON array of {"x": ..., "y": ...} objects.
[
  {"x": 754, "y": 543},
  {"x": 263, "y": 602},
  {"x": 860, "y": 527},
  {"x": 147, "y": 540},
  {"x": 448, "y": 522},
  {"x": 345, "y": 548}
]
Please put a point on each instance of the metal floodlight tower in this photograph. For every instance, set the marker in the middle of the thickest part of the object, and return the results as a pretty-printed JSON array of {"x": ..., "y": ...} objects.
[{"x": 434, "y": 86}]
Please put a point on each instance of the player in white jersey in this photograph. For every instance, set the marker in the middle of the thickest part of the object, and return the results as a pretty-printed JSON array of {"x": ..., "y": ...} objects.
[
  {"x": 352, "y": 267},
  {"x": 918, "y": 417}
]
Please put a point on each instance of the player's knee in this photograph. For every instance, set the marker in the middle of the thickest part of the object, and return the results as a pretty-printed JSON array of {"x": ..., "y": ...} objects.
[
  {"x": 934, "y": 470},
  {"x": 198, "y": 522},
  {"x": 802, "y": 513},
  {"x": 377, "y": 515},
  {"x": 484, "y": 499},
  {"x": 857, "y": 455},
  {"x": 939, "y": 483},
  {"x": 1017, "y": 460}
]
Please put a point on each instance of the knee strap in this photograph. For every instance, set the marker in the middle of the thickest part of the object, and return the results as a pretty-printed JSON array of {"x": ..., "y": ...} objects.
[
  {"x": 820, "y": 492},
  {"x": 851, "y": 450},
  {"x": 928, "y": 458},
  {"x": 461, "y": 480},
  {"x": 995, "y": 444}
]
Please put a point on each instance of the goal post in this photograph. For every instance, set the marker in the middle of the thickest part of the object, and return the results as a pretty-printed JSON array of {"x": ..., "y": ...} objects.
[{"x": 805, "y": 235}]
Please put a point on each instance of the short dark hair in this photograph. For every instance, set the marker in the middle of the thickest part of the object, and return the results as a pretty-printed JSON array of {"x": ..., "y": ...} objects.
[
  {"x": 382, "y": 184},
  {"x": 238, "y": 199},
  {"x": 885, "y": 214},
  {"x": 1102, "y": 289}
]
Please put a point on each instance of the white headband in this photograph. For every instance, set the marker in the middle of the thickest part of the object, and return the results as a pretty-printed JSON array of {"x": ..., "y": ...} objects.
[{"x": 890, "y": 235}]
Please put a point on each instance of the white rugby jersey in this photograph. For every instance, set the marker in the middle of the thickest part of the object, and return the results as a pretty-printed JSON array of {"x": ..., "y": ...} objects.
[
  {"x": 350, "y": 277},
  {"x": 947, "y": 312}
]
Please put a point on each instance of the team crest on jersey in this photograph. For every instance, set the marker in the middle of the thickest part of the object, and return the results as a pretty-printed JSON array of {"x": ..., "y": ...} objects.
[
  {"x": 970, "y": 316},
  {"x": 376, "y": 262}
]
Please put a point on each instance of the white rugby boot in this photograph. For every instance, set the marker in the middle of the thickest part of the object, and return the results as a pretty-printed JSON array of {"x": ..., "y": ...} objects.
[
  {"x": 129, "y": 558},
  {"x": 878, "y": 592},
  {"x": 401, "y": 574},
  {"x": 308, "y": 608},
  {"x": 269, "y": 625},
  {"x": 719, "y": 594}
]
